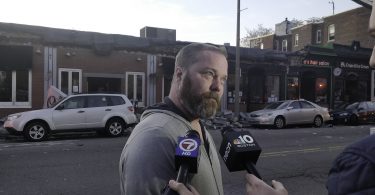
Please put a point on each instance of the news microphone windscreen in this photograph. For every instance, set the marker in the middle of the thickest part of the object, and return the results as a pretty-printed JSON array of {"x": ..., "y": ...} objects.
[
  {"x": 238, "y": 148},
  {"x": 187, "y": 151}
]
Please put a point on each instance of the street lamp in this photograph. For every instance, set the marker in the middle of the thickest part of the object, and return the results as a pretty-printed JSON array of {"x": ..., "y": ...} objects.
[
  {"x": 333, "y": 6},
  {"x": 237, "y": 71}
]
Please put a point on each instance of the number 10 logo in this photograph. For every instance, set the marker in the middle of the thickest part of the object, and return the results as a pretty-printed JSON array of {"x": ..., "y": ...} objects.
[{"x": 246, "y": 139}]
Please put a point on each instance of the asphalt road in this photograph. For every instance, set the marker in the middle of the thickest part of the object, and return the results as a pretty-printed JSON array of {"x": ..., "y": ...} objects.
[{"x": 86, "y": 164}]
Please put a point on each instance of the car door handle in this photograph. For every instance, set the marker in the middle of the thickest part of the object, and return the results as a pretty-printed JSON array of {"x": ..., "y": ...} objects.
[
  {"x": 81, "y": 111},
  {"x": 108, "y": 109}
]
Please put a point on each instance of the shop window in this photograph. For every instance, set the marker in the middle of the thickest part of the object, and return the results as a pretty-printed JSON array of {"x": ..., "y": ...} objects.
[
  {"x": 331, "y": 32},
  {"x": 321, "y": 90},
  {"x": 15, "y": 88},
  {"x": 293, "y": 88},
  {"x": 272, "y": 88}
]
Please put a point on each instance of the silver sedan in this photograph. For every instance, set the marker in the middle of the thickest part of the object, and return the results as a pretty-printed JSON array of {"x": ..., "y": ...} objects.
[{"x": 288, "y": 112}]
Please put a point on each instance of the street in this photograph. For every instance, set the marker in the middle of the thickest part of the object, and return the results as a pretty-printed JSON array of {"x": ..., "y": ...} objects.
[{"x": 299, "y": 157}]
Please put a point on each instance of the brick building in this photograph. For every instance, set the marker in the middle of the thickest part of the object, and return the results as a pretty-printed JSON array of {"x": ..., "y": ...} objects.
[{"x": 32, "y": 58}]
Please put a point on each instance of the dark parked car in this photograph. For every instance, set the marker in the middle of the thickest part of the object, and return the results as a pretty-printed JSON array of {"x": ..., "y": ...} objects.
[{"x": 355, "y": 113}]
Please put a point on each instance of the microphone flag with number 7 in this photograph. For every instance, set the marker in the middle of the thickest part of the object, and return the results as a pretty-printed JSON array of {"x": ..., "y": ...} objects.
[
  {"x": 186, "y": 158},
  {"x": 187, "y": 151}
]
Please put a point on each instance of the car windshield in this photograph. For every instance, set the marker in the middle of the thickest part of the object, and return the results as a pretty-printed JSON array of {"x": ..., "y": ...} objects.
[
  {"x": 352, "y": 106},
  {"x": 276, "y": 105}
]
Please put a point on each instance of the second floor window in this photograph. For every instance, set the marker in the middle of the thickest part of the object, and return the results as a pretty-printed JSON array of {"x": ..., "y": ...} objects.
[
  {"x": 318, "y": 36},
  {"x": 331, "y": 32},
  {"x": 296, "y": 40},
  {"x": 284, "y": 46}
]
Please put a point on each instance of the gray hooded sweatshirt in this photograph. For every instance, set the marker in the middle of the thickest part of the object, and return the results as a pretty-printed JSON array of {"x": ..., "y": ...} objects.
[{"x": 147, "y": 160}]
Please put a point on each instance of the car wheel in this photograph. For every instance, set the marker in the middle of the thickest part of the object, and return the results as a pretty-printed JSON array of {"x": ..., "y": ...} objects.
[
  {"x": 115, "y": 127},
  {"x": 279, "y": 122},
  {"x": 353, "y": 120},
  {"x": 36, "y": 131},
  {"x": 318, "y": 121}
]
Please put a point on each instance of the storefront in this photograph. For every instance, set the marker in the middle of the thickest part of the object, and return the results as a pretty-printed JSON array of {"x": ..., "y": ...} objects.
[
  {"x": 262, "y": 78},
  {"x": 352, "y": 75},
  {"x": 330, "y": 76},
  {"x": 309, "y": 75}
]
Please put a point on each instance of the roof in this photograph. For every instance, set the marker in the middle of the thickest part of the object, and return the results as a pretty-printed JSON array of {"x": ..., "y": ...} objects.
[{"x": 256, "y": 54}]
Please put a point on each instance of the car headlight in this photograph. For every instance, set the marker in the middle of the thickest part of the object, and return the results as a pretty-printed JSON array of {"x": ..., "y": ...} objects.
[
  {"x": 13, "y": 117},
  {"x": 344, "y": 114},
  {"x": 267, "y": 114}
]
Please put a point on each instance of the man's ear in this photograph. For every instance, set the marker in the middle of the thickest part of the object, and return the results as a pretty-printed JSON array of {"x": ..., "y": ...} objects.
[{"x": 178, "y": 72}]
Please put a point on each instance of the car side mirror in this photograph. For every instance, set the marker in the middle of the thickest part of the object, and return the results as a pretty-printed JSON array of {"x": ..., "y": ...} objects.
[
  {"x": 289, "y": 108},
  {"x": 360, "y": 109}
]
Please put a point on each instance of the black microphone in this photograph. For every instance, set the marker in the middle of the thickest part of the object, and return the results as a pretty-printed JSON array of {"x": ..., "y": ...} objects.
[
  {"x": 239, "y": 151},
  {"x": 186, "y": 158}
]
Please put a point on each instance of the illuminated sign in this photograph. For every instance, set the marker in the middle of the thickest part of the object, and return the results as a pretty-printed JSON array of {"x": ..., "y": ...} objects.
[
  {"x": 316, "y": 62},
  {"x": 353, "y": 65}
]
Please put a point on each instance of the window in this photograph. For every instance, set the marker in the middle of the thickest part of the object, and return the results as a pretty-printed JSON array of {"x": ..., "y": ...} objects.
[
  {"x": 293, "y": 88},
  {"x": 295, "y": 105},
  {"x": 74, "y": 103},
  {"x": 70, "y": 81},
  {"x": 272, "y": 88},
  {"x": 15, "y": 88},
  {"x": 116, "y": 100},
  {"x": 256, "y": 92},
  {"x": 97, "y": 101},
  {"x": 305, "y": 104},
  {"x": 318, "y": 36},
  {"x": 284, "y": 46},
  {"x": 296, "y": 40},
  {"x": 331, "y": 32},
  {"x": 321, "y": 90},
  {"x": 276, "y": 45},
  {"x": 135, "y": 87}
]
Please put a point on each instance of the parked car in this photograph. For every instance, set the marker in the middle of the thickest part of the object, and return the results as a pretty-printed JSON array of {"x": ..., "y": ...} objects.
[
  {"x": 106, "y": 113},
  {"x": 287, "y": 112},
  {"x": 355, "y": 113}
]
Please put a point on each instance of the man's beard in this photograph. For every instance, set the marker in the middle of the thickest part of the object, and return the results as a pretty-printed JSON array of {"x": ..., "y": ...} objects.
[{"x": 198, "y": 105}]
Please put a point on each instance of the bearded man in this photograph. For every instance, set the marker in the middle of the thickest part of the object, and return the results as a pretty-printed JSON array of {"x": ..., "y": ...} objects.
[{"x": 147, "y": 160}]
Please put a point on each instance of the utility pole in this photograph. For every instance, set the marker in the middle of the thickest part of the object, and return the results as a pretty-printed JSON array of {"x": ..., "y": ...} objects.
[
  {"x": 237, "y": 71},
  {"x": 333, "y": 6}
]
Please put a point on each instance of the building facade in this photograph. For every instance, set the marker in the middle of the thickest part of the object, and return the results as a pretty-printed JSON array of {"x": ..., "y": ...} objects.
[{"x": 33, "y": 58}]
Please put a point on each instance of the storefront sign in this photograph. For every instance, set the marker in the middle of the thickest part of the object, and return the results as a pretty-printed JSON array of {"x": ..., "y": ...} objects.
[
  {"x": 353, "y": 65},
  {"x": 316, "y": 62}
]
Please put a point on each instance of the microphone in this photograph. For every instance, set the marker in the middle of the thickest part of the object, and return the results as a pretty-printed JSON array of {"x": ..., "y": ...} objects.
[
  {"x": 186, "y": 158},
  {"x": 239, "y": 151}
]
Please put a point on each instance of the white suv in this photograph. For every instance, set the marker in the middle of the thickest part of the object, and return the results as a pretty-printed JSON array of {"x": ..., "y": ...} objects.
[{"x": 107, "y": 113}]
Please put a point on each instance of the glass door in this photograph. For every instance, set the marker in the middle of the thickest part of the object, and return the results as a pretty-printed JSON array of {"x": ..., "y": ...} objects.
[
  {"x": 135, "y": 87},
  {"x": 70, "y": 80}
]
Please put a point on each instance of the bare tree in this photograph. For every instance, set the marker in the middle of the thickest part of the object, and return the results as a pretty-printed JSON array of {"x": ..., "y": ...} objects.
[{"x": 256, "y": 32}]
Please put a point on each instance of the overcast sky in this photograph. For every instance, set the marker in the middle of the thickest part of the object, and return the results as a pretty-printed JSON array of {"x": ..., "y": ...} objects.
[{"x": 211, "y": 21}]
